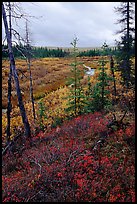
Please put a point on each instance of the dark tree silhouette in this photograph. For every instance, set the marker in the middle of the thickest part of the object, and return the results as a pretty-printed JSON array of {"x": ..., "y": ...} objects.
[{"x": 127, "y": 40}]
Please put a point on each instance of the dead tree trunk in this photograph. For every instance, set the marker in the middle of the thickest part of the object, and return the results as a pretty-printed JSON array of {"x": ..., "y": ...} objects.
[
  {"x": 9, "y": 106},
  {"x": 14, "y": 72},
  {"x": 29, "y": 69}
]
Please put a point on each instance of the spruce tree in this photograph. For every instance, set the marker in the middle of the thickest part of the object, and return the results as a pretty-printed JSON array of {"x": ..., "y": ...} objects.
[
  {"x": 98, "y": 98},
  {"x": 76, "y": 96},
  {"x": 126, "y": 45},
  {"x": 88, "y": 108}
]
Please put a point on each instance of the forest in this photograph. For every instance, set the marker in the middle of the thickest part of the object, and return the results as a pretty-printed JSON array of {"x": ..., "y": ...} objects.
[
  {"x": 68, "y": 117},
  {"x": 41, "y": 52}
]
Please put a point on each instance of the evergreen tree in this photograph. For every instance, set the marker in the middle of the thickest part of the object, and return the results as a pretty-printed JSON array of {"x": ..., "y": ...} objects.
[
  {"x": 126, "y": 44},
  {"x": 98, "y": 95},
  {"x": 105, "y": 49},
  {"x": 88, "y": 98},
  {"x": 76, "y": 96}
]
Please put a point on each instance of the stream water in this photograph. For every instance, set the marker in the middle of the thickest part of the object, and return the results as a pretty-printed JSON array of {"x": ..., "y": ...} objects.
[
  {"x": 4, "y": 110},
  {"x": 90, "y": 71}
]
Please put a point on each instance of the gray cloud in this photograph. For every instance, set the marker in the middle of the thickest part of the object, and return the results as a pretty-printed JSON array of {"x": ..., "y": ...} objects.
[{"x": 92, "y": 22}]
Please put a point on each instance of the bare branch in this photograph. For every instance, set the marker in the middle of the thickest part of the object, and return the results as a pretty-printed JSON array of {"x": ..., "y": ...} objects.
[
  {"x": 19, "y": 70},
  {"x": 16, "y": 33},
  {"x": 123, "y": 116},
  {"x": 4, "y": 40},
  {"x": 16, "y": 16},
  {"x": 33, "y": 196},
  {"x": 37, "y": 163},
  {"x": 5, "y": 50},
  {"x": 13, "y": 68},
  {"x": 19, "y": 49}
]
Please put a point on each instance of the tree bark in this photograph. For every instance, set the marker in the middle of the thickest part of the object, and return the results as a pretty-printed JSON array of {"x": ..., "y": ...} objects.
[
  {"x": 9, "y": 105},
  {"x": 14, "y": 72}
]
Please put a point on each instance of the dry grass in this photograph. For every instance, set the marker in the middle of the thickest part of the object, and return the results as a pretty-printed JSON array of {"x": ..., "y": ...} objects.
[{"x": 48, "y": 75}]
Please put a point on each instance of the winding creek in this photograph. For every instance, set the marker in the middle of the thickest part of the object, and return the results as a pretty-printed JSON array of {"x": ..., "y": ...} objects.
[{"x": 90, "y": 72}]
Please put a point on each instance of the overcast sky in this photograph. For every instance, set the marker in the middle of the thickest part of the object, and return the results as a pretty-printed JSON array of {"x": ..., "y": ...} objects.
[{"x": 57, "y": 23}]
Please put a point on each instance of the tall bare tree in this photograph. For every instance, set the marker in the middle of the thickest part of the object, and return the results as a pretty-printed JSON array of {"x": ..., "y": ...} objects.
[
  {"x": 15, "y": 75},
  {"x": 9, "y": 105},
  {"x": 28, "y": 56}
]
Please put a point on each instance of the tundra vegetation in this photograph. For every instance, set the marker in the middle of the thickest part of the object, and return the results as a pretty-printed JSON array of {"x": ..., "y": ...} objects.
[{"x": 82, "y": 143}]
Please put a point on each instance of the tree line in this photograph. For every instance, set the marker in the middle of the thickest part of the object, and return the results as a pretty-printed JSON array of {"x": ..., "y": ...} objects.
[
  {"x": 36, "y": 52},
  {"x": 41, "y": 52}
]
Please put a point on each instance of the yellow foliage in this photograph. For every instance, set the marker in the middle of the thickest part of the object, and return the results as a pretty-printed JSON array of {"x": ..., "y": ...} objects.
[{"x": 49, "y": 76}]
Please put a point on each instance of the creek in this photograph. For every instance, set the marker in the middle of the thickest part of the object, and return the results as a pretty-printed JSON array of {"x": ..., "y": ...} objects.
[{"x": 90, "y": 72}]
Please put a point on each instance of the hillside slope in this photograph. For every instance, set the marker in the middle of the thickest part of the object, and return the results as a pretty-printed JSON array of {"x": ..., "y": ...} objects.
[{"x": 81, "y": 160}]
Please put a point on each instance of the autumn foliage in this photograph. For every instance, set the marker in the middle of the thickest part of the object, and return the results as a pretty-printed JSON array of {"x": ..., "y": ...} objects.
[
  {"x": 66, "y": 164},
  {"x": 70, "y": 159}
]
